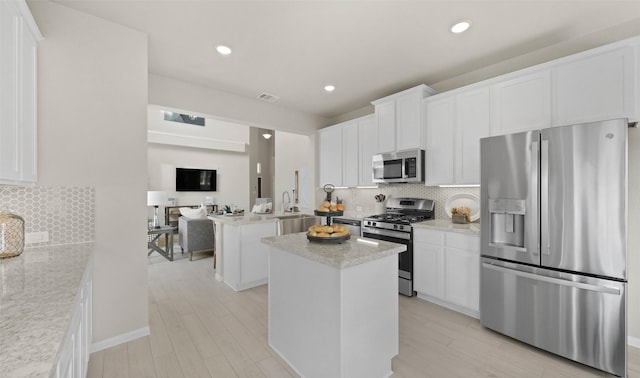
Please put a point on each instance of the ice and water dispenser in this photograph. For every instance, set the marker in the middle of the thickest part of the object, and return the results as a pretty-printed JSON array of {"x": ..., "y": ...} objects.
[{"x": 507, "y": 222}]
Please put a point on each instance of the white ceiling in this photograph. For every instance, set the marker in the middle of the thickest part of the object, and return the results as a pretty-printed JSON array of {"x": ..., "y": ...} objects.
[{"x": 367, "y": 49}]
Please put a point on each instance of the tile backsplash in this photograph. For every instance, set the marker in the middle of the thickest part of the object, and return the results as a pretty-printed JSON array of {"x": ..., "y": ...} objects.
[
  {"x": 67, "y": 213},
  {"x": 364, "y": 197}
]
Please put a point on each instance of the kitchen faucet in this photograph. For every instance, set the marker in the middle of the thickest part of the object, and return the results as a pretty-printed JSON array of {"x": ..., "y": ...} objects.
[{"x": 284, "y": 209}]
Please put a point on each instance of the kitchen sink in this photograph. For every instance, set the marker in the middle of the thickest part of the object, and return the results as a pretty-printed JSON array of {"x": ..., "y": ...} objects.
[{"x": 290, "y": 224}]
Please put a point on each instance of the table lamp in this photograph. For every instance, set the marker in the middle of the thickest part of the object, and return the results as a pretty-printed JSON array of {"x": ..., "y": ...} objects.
[{"x": 155, "y": 199}]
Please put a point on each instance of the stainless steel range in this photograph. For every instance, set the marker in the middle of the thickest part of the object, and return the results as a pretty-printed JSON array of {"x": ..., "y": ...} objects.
[{"x": 395, "y": 226}]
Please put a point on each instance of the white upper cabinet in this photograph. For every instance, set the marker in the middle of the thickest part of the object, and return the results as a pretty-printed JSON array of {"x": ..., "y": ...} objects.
[
  {"x": 330, "y": 140},
  {"x": 596, "y": 88},
  {"x": 454, "y": 127},
  {"x": 399, "y": 119},
  {"x": 473, "y": 121},
  {"x": 345, "y": 152},
  {"x": 350, "y": 154},
  {"x": 368, "y": 143},
  {"x": 409, "y": 122},
  {"x": 19, "y": 36},
  {"x": 521, "y": 104},
  {"x": 386, "y": 123},
  {"x": 440, "y": 131}
]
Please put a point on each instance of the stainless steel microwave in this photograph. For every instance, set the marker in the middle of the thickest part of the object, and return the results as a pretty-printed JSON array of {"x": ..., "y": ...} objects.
[{"x": 401, "y": 166}]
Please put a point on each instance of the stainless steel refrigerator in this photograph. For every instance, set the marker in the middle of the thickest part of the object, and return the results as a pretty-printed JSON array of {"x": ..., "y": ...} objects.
[{"x": 554, "y": 240}]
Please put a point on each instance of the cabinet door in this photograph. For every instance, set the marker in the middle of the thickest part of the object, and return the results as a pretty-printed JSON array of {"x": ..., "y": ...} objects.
[
  {"x": 27, "y": 105},
  {"x": 386, "y": 120},
  {"x": 9, "y": 130},
  {"x": 254, "y": 259},
  {"x": 473, "y": 121},
  {"x": 350, "y": 154},
  {"x": 331, "y": 156},
  {"x": 597, "y": 88},
  {"x": 368, "y": 138},
  {"x": 439, "y": 141},
  {"x": 521, "y": 104},
  {"x": 462, "y": 270},
  {"x": 409, "y": 122},
  {"x": 428, "y": 265}
]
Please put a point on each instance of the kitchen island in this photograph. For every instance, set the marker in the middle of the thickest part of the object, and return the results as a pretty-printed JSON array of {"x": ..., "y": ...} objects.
[
  {"x": 242, "y": 259},
  {"x": 333, "y": 308}
]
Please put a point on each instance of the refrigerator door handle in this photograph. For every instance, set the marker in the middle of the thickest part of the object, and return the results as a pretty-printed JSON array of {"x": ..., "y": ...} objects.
[
  {"x": 544, "y": 197},
  {"x": 557, "y": 281},
  {"x": 535, "y": 206}
]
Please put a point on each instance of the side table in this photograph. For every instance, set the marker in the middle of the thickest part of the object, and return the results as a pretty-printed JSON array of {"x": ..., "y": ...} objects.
[{"x": 154, "y": 234}]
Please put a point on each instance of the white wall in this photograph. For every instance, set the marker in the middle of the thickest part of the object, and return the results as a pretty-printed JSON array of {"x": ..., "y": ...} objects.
[
  {"x": 167, "y": 92},
  {"x": 295, "y": 152},
  {"x": 92, "y": 118},
  {"x": 232, "y": 169}
]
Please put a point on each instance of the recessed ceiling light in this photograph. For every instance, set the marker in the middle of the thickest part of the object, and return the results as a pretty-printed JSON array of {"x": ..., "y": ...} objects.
[
  {"x": 460, "y": 27},
  {"x": 329, "y": 88},
  {"x": 224, "y": 50},
  {"x": 266, "y": 135}
]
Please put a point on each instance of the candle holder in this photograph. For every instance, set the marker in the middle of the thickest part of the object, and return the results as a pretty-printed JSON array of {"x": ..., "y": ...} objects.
[{"x": 11, "y": 234}]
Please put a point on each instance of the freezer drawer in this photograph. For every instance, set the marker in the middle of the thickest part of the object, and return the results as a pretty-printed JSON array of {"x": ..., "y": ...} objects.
[{"x": 577, "y": 317}]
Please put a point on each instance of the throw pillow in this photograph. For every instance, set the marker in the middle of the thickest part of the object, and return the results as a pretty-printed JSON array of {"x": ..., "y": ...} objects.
[{"x": 199, "y": 213}]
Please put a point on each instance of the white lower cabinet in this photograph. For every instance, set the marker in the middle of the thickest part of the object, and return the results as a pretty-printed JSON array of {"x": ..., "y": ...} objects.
[
  {"x": 246, "y": 258},
  {"x": 73, "y": 359},
  {"x": 447, "y": 269}
]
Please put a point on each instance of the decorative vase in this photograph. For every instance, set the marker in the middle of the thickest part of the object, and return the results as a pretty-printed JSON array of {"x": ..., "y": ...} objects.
[{"x": 11, "y": 234}]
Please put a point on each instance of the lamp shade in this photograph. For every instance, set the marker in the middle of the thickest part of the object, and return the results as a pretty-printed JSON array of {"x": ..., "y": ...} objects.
[{"x": 156, "y": 198}]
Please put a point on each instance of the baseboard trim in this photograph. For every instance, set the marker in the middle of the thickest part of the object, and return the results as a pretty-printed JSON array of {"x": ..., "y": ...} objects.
[
  {"x": 633, "y": 341},
  {"x": 120, "y": 339}
]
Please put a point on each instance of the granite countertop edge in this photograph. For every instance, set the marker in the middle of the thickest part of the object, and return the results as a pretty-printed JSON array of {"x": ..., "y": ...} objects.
[
  {"x": 448, "y": 226},
  {"x": 39, "y": 292},
  {"x": 340, "y": 256},
  {"x": 253, "y": 218}
]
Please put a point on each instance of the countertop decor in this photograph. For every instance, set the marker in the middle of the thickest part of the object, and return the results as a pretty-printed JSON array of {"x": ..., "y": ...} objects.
[
  {"x": 39, "y": 290},
  {"x": 11, "y": 234}
]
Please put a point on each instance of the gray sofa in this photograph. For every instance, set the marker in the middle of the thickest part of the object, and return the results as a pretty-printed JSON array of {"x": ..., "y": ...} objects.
[{"x": 196, "y": 235}]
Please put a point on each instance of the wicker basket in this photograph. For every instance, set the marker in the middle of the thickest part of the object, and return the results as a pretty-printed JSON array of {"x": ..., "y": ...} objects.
[{"x": 459, "y": 218}]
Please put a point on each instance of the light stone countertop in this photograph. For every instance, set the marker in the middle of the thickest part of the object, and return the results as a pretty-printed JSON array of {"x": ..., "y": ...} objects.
[
  {"x": 251, "y": 218},
  {"x": 340, "y": 256},
  {"x": 447, "y": 225},
  {"x": 38, "y": 293}
]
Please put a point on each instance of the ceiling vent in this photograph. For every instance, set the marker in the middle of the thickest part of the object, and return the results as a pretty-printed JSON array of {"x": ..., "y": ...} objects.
[{"x": 267, "y": 97}]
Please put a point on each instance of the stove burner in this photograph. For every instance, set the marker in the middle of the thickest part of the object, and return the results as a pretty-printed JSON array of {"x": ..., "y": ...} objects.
[{"x": 398, "y": 218}]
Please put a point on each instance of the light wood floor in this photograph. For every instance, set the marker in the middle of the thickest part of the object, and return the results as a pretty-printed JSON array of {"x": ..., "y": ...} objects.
[{"x": 202, "y": 328}]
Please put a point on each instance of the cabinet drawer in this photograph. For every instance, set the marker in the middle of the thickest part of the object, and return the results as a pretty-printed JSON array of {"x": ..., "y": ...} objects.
[
  {"x": 428, "y": 236},
  {"x": 462, "y": 241}
]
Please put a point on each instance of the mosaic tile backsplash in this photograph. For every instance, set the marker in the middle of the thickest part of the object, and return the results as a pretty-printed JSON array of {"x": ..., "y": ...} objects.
[
  {"x": 67, "y": 213},
  {"x": 364, "y": 197}
]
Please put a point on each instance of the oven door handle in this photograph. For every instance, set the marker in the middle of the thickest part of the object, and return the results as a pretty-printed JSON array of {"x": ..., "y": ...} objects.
[{"x": 389, "y": 234}]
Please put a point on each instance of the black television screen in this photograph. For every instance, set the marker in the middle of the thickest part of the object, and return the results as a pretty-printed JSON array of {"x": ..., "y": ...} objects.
[{"x": 195, "y": 180}]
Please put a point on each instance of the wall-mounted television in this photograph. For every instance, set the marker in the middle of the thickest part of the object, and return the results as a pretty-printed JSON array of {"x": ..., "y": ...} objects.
[{"x": 195, "y": 180}]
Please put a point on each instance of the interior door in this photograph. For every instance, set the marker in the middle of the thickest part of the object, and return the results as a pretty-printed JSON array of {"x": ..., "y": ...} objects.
[{"x": 583, "y": 198}]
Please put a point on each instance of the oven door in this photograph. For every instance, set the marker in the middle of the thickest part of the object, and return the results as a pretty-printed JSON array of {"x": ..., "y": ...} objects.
[{"x": 405, "y": 259}]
